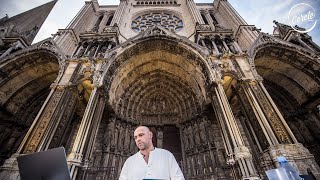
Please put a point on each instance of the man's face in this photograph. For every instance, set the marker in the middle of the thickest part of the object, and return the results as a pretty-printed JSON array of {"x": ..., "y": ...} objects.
[{"x": 142, "y": 137}]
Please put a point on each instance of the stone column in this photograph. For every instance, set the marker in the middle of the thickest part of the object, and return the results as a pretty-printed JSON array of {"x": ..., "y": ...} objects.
[
  {"x": 77, "y": 50},
  {"x": 230, "y": 128},
  {"x": 215, "y": 46},
  {"x": 62, "y": 120},
  {"x": 86, "y": 134},
  {"x": 276, "y": 129},
  {"x": 84, "y": 10},
  {"x": 210, "y": 21},
  {"x": 104, "y": 21},
  {"x": 195, "y": 12},
  {"x": 237, "y": 47},
  {"x": 119, "y": 12},
  {"x": 94, "y": 128}
]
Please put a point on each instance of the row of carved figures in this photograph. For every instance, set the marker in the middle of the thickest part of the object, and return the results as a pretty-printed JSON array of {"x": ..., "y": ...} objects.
[
  {"x": 204, "y": 151},
  {"x": 197, "y": 132},
  {"x": 104, "y": 165},
  {"x": 115, "y": 143},
  {"x": 118, "y": 136},
  {"x": 219, "y": 44},
  {"x": 93, "y": 48},
  {"x": 208, "y": 164}
]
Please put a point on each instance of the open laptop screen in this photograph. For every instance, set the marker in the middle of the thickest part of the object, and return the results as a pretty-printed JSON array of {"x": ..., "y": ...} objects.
[{"x": 46, "y": 165}]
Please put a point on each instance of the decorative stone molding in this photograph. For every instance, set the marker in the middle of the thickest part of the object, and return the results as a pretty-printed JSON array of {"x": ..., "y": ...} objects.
[
  {"x": 203, "y": 27},
  {"x": 44, "y": 120},
  {"x": 156, "y": 3},
  {"x": 265, "y": 40},
  {"x": 110, "y": 29},
  {"x": 161, "y": 33},
  {"x": 47, "y": 44},
  {"x": 274, "y": 120}
]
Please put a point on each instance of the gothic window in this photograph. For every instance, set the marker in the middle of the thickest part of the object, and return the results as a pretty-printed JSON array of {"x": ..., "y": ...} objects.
[
  {"x": 204, "y": 18},
  {"x": 295, "y": 42},
  {"x": 96, "y": 26},
  {"x": 165, "y": 20},
  {"x": 213, "y": 19},
  {"x": 99, "y": 20},
  {"x": 109, "y": 20}
]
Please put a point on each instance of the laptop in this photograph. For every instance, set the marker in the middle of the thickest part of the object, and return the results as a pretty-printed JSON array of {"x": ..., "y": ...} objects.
[{"x": 45, "y": 165}]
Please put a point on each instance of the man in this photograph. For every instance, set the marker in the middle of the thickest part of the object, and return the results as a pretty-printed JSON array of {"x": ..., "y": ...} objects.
[{"x": 150, "y": 162}]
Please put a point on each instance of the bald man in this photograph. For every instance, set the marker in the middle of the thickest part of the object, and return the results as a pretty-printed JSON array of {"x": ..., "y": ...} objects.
[{"x": 150, "y": 162}]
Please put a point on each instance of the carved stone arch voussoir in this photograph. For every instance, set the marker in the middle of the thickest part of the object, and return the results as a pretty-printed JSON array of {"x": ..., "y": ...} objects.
[
  {"x": 124, "y": 51},
  {"x": 263, "y": 42},
  {"x": 45, "y": 46}
]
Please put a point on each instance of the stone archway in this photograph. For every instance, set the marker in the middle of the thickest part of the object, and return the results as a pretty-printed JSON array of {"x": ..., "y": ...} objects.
[
  {"x": 291, "y": 78},
  {"x": 162, "y": 83},
  {"x": 159, "y": 75},
  {"x": 24, "y": 85}
]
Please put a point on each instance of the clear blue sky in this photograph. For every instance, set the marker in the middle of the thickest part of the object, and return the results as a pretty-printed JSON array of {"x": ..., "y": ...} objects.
[{"x": 256, "y": 12}]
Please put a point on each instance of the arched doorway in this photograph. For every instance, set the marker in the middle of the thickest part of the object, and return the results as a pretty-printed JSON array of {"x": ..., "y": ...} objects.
[
  {"x": 290, "y": 76},
  {"x": 161, "y": 83}
]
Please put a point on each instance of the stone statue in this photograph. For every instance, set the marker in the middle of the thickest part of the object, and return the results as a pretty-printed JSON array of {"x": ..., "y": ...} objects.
[
  {"x": 159, "y": 138},
  {"x": 202, "y": 130},
  {"x": 132, "y": 143},
  {"x": 127, "y": 137},
  {"x": 102, "y": 50},
  {"x": 121, "y": 136},
  {"x": 186, "y": 138},
  {"x": 82, "y": 50},
  {"x": 196, "y": 134},
  {"x": 230, "y": 45},
  {"x": 116, "y": 133},
  {"x": 191, "y": 138},
  {"x": 110, "y": 133}
]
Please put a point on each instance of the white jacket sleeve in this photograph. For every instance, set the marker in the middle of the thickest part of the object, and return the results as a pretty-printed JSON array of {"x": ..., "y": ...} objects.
[
  {"x": 124, "y": 172},
  {"x": 175, "y": 171}
]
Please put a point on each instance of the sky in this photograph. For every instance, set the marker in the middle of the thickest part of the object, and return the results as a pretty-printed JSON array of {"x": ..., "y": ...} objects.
[{"x": 260, "y": 13}]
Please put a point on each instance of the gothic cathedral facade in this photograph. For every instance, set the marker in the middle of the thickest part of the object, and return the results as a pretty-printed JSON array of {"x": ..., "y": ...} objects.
[{"x": 223, "y": 97}]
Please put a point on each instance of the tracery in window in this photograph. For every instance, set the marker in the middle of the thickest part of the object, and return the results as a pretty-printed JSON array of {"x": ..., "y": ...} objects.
[{"x": 165, "y": 20}]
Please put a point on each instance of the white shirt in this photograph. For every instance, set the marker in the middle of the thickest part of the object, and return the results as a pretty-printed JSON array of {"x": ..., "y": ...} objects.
[{"x": 161, "y": 165}]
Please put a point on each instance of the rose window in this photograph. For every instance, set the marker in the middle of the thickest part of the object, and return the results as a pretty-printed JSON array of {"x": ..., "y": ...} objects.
[{"x": 165, "y": 20}]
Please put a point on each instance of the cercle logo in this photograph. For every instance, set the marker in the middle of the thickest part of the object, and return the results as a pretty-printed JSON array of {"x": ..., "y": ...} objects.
[{"x": 302, "y": 15}]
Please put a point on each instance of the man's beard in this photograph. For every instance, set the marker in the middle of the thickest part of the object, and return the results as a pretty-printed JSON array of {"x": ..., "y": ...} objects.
[{"x": 143, "y": 146}]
